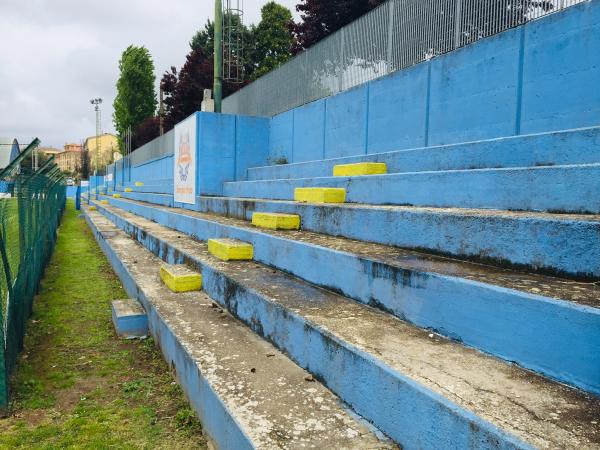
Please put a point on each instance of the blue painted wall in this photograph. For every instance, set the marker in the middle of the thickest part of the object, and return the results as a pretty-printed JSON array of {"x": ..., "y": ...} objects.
[
  {"x": 561, "y": 70},
  {"x": 345, "y": 133},
  {"x": 227, "y": 146},
  {"x": 251, "y": 144},
  {"x": 541, "y": 77},
  {"x": 397, "y": 112},
  {"x": 310, "y": 145},
  {"x": 281, "y": 137}
]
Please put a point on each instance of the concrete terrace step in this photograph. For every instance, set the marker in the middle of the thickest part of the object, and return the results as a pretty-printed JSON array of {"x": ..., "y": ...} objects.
[
  {"x": 424, "y": 391},
  {"x": 557, "y": 244},
  {"x": 573, "y": 188},
  {"x": 485, "y": 307},
  {"x": 247, "y": 394},
  {"x": 580, "y": 146}
]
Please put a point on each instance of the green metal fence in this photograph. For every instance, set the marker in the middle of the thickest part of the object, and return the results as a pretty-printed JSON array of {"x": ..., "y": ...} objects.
[{"x": 31, "y": 204}]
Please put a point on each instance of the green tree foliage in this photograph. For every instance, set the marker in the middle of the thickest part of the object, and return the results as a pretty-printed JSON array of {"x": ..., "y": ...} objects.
[
  {"x": 273, "y": 39},
  {"x": 136, "y": 96},
  {"x": 204, "y": 40}
]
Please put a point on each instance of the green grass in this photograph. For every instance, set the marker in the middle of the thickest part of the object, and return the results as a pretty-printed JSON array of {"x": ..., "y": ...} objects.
[{"x": 77, "y": 385}]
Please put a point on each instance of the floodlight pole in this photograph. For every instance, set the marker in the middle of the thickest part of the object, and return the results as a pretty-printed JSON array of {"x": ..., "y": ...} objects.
[
  {"x": 96, "y": 102},
  {"x": 218, "y": 70}
]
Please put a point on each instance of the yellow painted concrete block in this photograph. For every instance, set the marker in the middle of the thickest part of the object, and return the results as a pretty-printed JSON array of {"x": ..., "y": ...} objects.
[
  {"x": 276, "y": 221},
  {"x": 104, "y": 202},
  {"x": 353, "y": 170},
  {"x": 231, "y": 249},
  {"x": 116, "y": 195},
  {"x": 92, "y": 208},
  {"x": 180, "y": 278},
  {"x": 128, "y": 190},
  {"x": 139, "y": 183},
  {"x": 320, "y": 195}
]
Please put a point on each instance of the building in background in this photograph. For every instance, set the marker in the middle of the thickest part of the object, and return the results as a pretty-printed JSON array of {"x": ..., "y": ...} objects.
[
  {"x": 9, "y": 150},
  {"x": 49, "y": 151},
  {"x": 69, "y": 160},
  {"x": 73, "y": 147},
  {"x": 109, "y": 144}
]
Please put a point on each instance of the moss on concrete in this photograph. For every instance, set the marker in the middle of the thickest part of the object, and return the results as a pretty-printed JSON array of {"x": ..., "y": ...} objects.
[{"x": 77, "y": 385}]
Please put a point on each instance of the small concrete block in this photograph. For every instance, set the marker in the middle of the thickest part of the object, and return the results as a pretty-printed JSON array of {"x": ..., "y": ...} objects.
[
  {"x": 358, "y": 169},
  {"x": 276, "y": 221},
  {"x": 116, "y": 195},
  {"x": 139, "y": 183},
  {"x": 129, "y": 318},
  {"x": 104, "y": 202},
  {"x": 128, "y": 190},
  {"x": 231, "y": 249},
  {"x": 320, "y": 195},
  {"x": 180, "y": 278},
  {"x": 92, "y": 208}
]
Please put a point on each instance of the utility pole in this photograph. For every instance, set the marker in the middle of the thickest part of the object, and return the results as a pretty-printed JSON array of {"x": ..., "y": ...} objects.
[
  {"x": 218, "y": 40},
  {"x": 161, "y": 112},
  {"x": 96, "y": 102}
]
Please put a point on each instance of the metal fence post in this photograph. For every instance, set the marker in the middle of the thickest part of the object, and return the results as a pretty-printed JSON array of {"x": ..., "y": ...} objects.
[
  {"x": 342, "y": 59},
  {"x": 457, "y": 23},
  {"x": 390, "y": 35}
]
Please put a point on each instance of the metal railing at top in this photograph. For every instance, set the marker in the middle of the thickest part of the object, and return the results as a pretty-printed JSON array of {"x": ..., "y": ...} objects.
[
  {"x": 157, "y": 148},
  {"x": 394, "y": 36}
]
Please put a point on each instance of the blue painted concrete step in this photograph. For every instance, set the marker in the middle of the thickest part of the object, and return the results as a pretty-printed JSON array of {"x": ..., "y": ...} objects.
[
  {"x": 401, "y": 378},
  {"x": 487, "y": 308},
  {"x": 573, "y": 188},
  {"x": 580, "y": 146},
  {"x": 558, "y": 244},
  {"x": 247, "y": 394},
  {"x": 129, "y": 318}
]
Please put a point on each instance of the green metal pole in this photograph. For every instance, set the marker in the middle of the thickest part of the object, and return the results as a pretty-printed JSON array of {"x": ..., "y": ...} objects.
[{"x": 218, "y": 39}]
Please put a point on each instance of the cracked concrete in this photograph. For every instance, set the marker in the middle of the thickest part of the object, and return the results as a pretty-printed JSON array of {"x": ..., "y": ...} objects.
[
  {"x": 541, "y": 412},
  {"x": 264, "y": 392}
]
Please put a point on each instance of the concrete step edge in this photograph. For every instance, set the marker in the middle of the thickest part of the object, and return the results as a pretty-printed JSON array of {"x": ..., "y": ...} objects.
[
  {"x": 481, "y": 315},
  {"x": 228, "y": 372},
  {"x": 277, "y": 318}
]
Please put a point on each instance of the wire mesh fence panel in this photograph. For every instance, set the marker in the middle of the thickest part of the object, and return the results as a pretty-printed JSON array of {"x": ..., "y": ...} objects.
[
  {"x": 30, "y": 208},
  {"x": 155, "y": 149},
  {"x": 394, "y": 36}
]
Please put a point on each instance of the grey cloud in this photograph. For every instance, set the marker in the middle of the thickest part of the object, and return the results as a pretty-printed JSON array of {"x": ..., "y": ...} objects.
[{"x": 55, "y": 55}]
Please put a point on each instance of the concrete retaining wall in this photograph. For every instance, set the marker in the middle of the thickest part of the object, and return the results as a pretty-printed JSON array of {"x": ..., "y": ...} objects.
[{"x": 539, "y": 77}]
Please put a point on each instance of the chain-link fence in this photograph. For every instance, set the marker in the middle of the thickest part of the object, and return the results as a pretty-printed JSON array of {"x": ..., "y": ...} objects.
[
  {"x": 396, "y": 35},
  {"x": 31, "y": 204}
]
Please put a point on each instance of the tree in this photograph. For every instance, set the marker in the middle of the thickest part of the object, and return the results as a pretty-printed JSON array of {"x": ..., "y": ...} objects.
[
  {"x": 136, "y": 97},
  {"x": 85, "y": 163},
  {"x": 145, "y": 132},
  {"x": 204, "y": 39},
  {"x": 272, "y": 39},
  {"x": 320, "y": 18},
  {"x": 184, "y": 90}
]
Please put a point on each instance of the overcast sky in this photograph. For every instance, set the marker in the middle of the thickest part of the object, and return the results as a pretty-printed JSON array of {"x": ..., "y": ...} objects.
[{"x": 55, "y": 55}]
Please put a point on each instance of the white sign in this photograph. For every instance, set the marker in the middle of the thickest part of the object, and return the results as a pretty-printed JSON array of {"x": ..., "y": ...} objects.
[
  {"x": 108, "y": 177},
  {"x": 85, "y": 183},
  {"x": 184, "y": 161}
]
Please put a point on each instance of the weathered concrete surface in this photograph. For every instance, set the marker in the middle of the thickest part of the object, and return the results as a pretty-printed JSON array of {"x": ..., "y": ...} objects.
[
  {"x": 372, "y": 360},
  {"x": 485, "y": 307},
  {"x": 557, "y": 244},
  {"x": 580, "y": 146},
  {"x": 129, "y": 318},
  {"x": 573, "y": 188},
  {"x": 246, "y": 392}
]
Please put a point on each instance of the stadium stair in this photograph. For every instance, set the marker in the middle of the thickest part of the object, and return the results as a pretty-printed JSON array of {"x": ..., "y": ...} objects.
[{"x": 467, "y": 318}]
